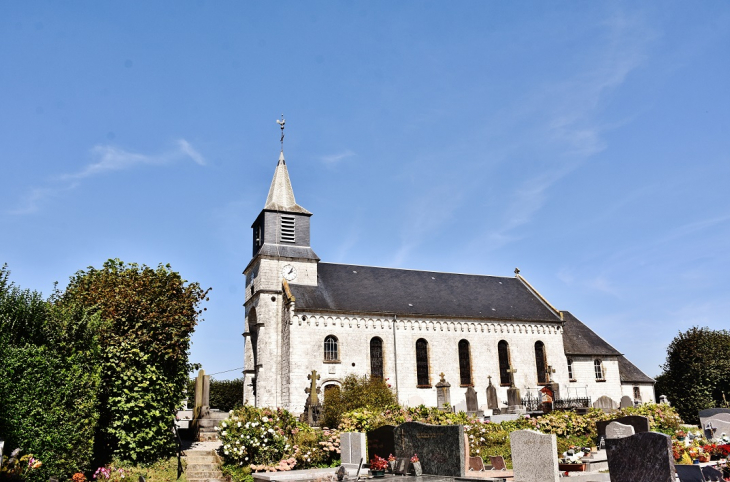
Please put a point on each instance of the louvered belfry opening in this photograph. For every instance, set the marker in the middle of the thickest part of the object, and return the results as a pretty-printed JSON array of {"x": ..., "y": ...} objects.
[
  {"x": 422, "y": 374},
  {"x": 505, "y": 377},
  {"x": 464, "y": 363},
  {"x": 540, "y": 362},
  {"x": 376, "y": 358},
  {"x": 287, "y": 229}
]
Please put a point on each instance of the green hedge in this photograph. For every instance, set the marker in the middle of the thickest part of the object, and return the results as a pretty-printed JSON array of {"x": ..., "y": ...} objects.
[{"x": 226, "y": 395}]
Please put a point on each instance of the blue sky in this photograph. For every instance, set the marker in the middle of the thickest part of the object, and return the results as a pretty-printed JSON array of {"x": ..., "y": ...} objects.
[{"x": 586, "y": 143}]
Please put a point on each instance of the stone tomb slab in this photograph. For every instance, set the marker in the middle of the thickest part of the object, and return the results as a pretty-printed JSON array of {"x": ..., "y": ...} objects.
[
  {"x": 440, "y": 448},
  {"x": 534, "y": 456},
  {"x": 381, "y": 441},
  {"x": 643, "y": 457},
  {"x": 689, "y": 473},
  {"x": 640, "y": 424},
  {"x": 618, "y": 430},
  {"x": 352, "y": 449}
]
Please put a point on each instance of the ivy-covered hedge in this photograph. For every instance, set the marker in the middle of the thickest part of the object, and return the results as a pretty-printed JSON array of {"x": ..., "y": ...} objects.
[{"x": 226, "y": 395}]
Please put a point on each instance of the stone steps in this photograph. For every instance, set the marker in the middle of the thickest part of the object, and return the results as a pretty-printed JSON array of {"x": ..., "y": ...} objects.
[{"x": 203, "y": 466}]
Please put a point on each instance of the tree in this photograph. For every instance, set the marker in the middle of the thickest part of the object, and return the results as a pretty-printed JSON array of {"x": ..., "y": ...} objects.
[
  {"x": 356, "y": 392},
  {"x": 150, "y": 315},
  {"x": 696, "y": 373}
]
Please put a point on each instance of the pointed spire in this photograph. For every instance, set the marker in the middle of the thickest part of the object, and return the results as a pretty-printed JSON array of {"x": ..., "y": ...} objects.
[{"x": 281, "y": 194}]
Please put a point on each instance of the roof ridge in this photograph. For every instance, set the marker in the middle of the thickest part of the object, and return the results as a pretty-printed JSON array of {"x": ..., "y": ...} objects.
[{"x": 419, "y": 270}]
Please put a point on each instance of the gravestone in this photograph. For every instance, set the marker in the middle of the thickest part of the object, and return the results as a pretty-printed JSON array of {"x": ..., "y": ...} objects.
[
  {"x": 716, "y": 413},
  {"x": 715, "y": 427},
  {"x": 476, "y": 464},
  {"x": 497, "y": 462},
  {"x": 492, "y": 400},
  {"x": 534, "y": 456},
  {"x": 401, "y": 465},
  {"x": 643, "y": 457},
  {"x": 640, "y": 424},
  {"x": 513, "y": 397},
  {"x": 202, "y": 393},
  {"x": 440, "y": 448},
  {"x": 712, "y": 474},
  {"x": 626, "y": 402},
  {"x": 618, "y": 430},
  {"x": 471, "y": 400},
  {"x": 443, "y": 392},
  {"x": 381, "y": 441},
  {"x": 689, "y": 473},
  {"x": 606, "y": 404},
  {"x": 312, "y": 407},
  {"x": 352, "y": 449}
]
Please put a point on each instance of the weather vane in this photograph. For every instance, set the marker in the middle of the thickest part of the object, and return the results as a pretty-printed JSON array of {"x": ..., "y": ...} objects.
[{"x": 281, "y": 124}]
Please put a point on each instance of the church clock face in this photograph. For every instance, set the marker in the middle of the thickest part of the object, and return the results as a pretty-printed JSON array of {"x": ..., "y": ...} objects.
[{"x": 289, "y": 272}]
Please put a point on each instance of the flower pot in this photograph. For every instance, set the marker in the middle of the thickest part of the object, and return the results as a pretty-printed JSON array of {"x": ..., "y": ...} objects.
[
  {"x": 416, "y": 469},
  {"x": 377, "y": 473},
  {"x": 681, "y": 439},
  {"x": 391, "y": 466},
  {"x": 572, "y": 467}
]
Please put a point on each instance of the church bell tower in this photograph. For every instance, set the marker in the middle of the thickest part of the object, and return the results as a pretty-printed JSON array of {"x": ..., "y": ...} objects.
[{"x": 281, "y": 253}]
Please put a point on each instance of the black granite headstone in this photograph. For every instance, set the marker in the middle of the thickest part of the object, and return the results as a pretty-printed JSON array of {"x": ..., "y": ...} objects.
[
  {"x": 640, "y": 424},
  {"x": 381, "y": 441},
  {"x": 689, "y": 473},
  {"x": 643, "y": 457},
  {"x": 440, "y": 448},
  {"x": 712, "y": 474}
]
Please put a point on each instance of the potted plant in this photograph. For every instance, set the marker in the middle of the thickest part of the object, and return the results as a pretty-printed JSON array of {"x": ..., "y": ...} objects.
[
  {"x": 377, "y": 466},
  {"x": 680, "y": 434},
  {"x": 416, "y": 466},
  {"x": 391, "y": 463}
]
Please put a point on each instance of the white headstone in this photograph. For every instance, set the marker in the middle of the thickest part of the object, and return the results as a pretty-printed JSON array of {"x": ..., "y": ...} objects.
[
  {"x": 352, "y": 449},
  {"x": 719, "y": 425},
  {"x": 534, "y": 456},
  {"x": 618, "y": 430}
]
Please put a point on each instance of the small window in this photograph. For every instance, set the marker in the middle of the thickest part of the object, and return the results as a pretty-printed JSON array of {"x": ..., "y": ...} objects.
[
  {"x": 598, "y": 367},
  {"x": 464, "y": 363},
  {"x": 571, "y": 375},
  {"x": 330, "y": 349},
  {"x": 376, "y": 358},
  {"x": 541, "y": 363},
  {"x": 505, "y": 376},
  {"x": 422, "y": 371},
  {"x": 287, "y": 229},
  {"x": 637, "y": 394}
]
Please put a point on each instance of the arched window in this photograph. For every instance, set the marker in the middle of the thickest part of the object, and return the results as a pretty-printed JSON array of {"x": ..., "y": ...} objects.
[
  {"x": 598, "y": 368},
  {"x": 541, "y": 362},
  {"x": 505, "y": 377},
  {"x": 571, "y": 376},
  {"x": 422, "y": 375},
  {"x": 637, "y": 394},
  {"x": 330, "y": 349},
  {"x": 464, "y": 363},
  {"x": 376, "y": 358}
]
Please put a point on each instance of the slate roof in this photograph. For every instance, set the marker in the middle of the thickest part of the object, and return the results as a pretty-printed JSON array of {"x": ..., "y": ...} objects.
[
  {"x": 578, "y": 339},
  {"x": 630, "y": 373},
  {"x": 281, "y": 194},
  {"x": 367, "y": 289}
]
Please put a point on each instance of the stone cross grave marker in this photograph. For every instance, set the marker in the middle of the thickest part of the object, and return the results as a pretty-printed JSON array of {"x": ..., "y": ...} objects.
[
  {"x": 312, "y": 405},
  {"x": 713, "y": 412},
  {"x": 492, "y": 400},
  {"x": 643, "y": 457},
  {"x": 352, "y": 449},
  {"x": 618, "y": 430},
  {"x": 640, "y": 424},
  {"x": 512, "y": 372},
  {"x": 443, "y": 392},
  {"x": 381, "y": 441},
  {"x": 440, "y": 448},
  {"x": 534, "y": 456},
  {"x": 626, "y": 402},
  {"x": 472, "y": 405}
]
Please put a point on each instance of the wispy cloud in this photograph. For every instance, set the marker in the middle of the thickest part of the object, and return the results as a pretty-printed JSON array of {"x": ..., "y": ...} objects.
[
  {"x": 106, "y": 158},
  {"x": 336, "y": 158}
]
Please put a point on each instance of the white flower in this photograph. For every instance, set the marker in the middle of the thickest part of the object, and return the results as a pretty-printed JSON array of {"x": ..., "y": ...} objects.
[
  {"x": 239, "y": 424},
  {"x": 246, "y": 458},
  {"x": 217, "y": 428},
  {"x": 265, "y": 419},
  {"x": 223, "y": 433},
  {"x": 224, "y": 424},
  {"x": 271, "y": 430},
  {"x": 248, "y": 424}
]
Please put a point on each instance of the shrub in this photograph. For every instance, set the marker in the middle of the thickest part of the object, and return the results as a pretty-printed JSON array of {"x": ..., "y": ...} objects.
[
  {"x": 356, "y": 392},
  {"x": 225, "y": 395}
]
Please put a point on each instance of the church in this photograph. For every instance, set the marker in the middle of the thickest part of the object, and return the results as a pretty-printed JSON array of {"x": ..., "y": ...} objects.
[{"x": 407, "y": 326}]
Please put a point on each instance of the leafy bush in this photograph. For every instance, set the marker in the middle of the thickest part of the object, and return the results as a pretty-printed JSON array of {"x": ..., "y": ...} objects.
[
  {"x": 270, "y": 440},
  {"x": 356, "y": 392},
  {"x": 151, "y": 314},
  {"x": 49, "y": 380}
]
